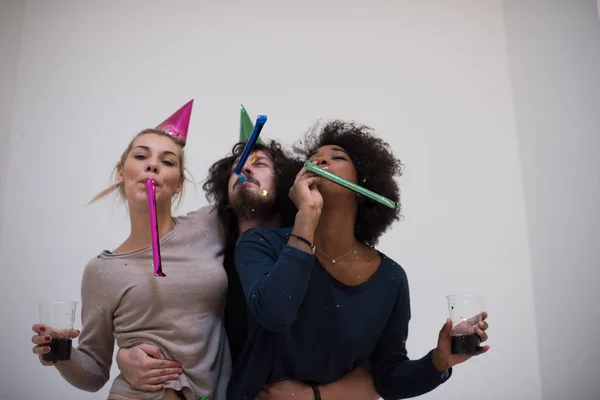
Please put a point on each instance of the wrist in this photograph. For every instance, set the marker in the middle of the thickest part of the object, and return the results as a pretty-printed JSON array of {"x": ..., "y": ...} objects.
[
  {"x": 316, "y": 390},
  {"x": 305, "y": 223},
  {"x": 439, "y": 362}
]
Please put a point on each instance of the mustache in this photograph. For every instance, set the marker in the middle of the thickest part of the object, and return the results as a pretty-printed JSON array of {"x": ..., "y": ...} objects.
[{"x": 248, "y": 179}]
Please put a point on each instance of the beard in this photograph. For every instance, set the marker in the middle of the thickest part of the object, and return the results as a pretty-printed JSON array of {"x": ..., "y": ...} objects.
[{"x": 249, "y": 205}]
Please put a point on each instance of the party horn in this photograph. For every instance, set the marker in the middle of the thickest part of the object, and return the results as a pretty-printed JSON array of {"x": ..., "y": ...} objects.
[
  {"x": 157, "y": 262},
  {"x": 349, "y": 185},
  {"x": 260, "y": 122}
]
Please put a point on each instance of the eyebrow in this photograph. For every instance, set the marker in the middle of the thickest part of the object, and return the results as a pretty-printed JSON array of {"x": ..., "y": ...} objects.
[
  {"x": 333, "y": 149},
  {"x": 257, "y": 159},
  {"x": 340, "y": 149},
  {"x": 148, "y": 149},
  {"x": 263, "y": 158}
]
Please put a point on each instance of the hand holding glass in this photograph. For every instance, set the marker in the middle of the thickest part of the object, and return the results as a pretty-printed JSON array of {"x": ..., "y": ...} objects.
[{"x": 58, "y": 316}]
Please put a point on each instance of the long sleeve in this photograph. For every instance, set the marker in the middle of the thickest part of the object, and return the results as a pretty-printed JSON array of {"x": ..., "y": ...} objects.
[
  {"x": 394, "y": 375},
  {"x": 89, "y": 366},
  {"x": 274, "y": 281}
]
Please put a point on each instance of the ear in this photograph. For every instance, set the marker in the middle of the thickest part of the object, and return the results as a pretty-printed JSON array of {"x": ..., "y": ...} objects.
[
  {"x": 120, "y": 174},
  {"x": 179, "y": 187}
]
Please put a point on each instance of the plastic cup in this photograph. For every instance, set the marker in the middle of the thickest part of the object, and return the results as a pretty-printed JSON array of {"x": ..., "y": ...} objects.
[
  {"x": 466, "y": 312},
  {"x": 58, "y": 316}
]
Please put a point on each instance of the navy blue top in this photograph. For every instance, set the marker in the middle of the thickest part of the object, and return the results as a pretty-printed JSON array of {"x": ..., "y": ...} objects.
[{"x": 303, "y": 324}]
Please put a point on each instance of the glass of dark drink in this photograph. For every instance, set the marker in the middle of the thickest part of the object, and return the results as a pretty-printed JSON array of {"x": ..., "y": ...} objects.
[
  {"x": 58, "y": 316},
  {"x": 466, "y": 312}
]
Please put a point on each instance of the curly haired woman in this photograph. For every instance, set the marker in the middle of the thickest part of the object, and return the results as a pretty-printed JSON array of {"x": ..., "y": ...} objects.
[{"x": 322, "y": 300}]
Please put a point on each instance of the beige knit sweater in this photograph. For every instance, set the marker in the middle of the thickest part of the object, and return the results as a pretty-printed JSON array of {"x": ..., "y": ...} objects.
[{"x": 181, "y": 313}]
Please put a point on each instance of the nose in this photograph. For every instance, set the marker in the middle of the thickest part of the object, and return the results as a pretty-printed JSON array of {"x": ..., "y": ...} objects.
[
  {"x": 321, "y": 161},
  {"x": 248, "y": 170},
  {"x": 152, "y": 168}
]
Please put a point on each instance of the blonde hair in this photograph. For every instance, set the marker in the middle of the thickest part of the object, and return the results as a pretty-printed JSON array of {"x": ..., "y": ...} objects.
[{"x": 121, "y": 163}]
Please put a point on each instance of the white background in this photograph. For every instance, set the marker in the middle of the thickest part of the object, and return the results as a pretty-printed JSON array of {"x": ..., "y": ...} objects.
[{"x": 492, "y": 105}]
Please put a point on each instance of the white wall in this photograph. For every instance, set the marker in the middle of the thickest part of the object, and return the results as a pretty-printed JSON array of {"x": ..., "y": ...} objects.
[
  {"x": 11, "y": 21},
  {"x": 433, "y": 78},
  {"x": 554, "y": 54}
]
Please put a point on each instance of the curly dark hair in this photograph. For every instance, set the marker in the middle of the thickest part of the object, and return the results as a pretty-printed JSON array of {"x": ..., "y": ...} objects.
[
  {"x": 217, "y": 191},
  {"x": 376, "y": 166}
]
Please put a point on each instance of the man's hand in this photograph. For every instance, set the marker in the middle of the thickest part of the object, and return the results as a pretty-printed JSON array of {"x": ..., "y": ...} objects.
[
  {"x": 145, "y": 368},
  {"x": 286, "y": 390}
]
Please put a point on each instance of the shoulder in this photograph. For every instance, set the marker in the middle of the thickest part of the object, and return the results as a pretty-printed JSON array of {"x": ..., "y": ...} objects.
[
  {"x": 393, "y": 270},
  {"x": 98, "y": 268},
  {"x": 202, "y": 225},
  {"x": 276, "y": 237},
  {"x": 207, "y": 215}
]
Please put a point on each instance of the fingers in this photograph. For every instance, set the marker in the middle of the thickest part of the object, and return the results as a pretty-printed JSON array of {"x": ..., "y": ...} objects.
[
  {"x": 39, "y": 350},
  {"x": 159, "y": 380},
  {"x": 475, "y": 319},
  {"x": 482, "y": 335},
  {"x": 300, "y": 174},
  {"x": 481, "y": 328},
  {"x": 168, "y": 364},
  {"x": 154, "y": 364},
  {"x": 160, "y": 375},
  {"x": 483, "y": 349},
  {"x": 151, "y": 350},
  {"x": 39, "y": 339},
  {"x": 312, "y": 180},
  {"x": 446, "y": 329},
  {"x": 41, "y": 346},
  {"x": 305, "y": 177},
  {"x": 40, "y": 329}
]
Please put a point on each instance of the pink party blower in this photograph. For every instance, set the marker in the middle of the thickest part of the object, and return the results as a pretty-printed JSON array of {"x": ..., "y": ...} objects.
[{"x": 157, "y": 262}]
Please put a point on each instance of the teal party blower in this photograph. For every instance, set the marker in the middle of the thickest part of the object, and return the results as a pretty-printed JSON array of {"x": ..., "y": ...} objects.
[{"x": 349, "y": 185}]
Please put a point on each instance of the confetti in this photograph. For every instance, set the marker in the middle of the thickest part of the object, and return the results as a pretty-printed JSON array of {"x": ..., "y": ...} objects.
[
  {"x": 264, "y": 192},
  {"x": 364, "y": 180},
  {"x": 338, "y": 306},
  {"x": 253, "y": 159}
]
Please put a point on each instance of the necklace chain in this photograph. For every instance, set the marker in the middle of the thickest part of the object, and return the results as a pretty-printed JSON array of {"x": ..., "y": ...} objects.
[{"x": 333, "y": 260}]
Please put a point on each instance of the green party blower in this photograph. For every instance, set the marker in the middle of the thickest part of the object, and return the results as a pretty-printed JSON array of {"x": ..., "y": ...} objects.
[{"x": 349, "y": 185}]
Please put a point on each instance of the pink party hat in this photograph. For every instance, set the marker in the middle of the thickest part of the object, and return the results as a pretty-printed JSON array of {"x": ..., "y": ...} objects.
[{"x": 177, "y": 124}]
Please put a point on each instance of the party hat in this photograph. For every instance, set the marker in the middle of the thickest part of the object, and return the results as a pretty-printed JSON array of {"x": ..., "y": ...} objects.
[
  {"x": 246, "y": 126},
  {"x": 177, "y": 124}
]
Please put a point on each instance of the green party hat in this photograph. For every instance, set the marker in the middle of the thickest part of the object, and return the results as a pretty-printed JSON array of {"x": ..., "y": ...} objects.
[{"x": 246, "y": 126}]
